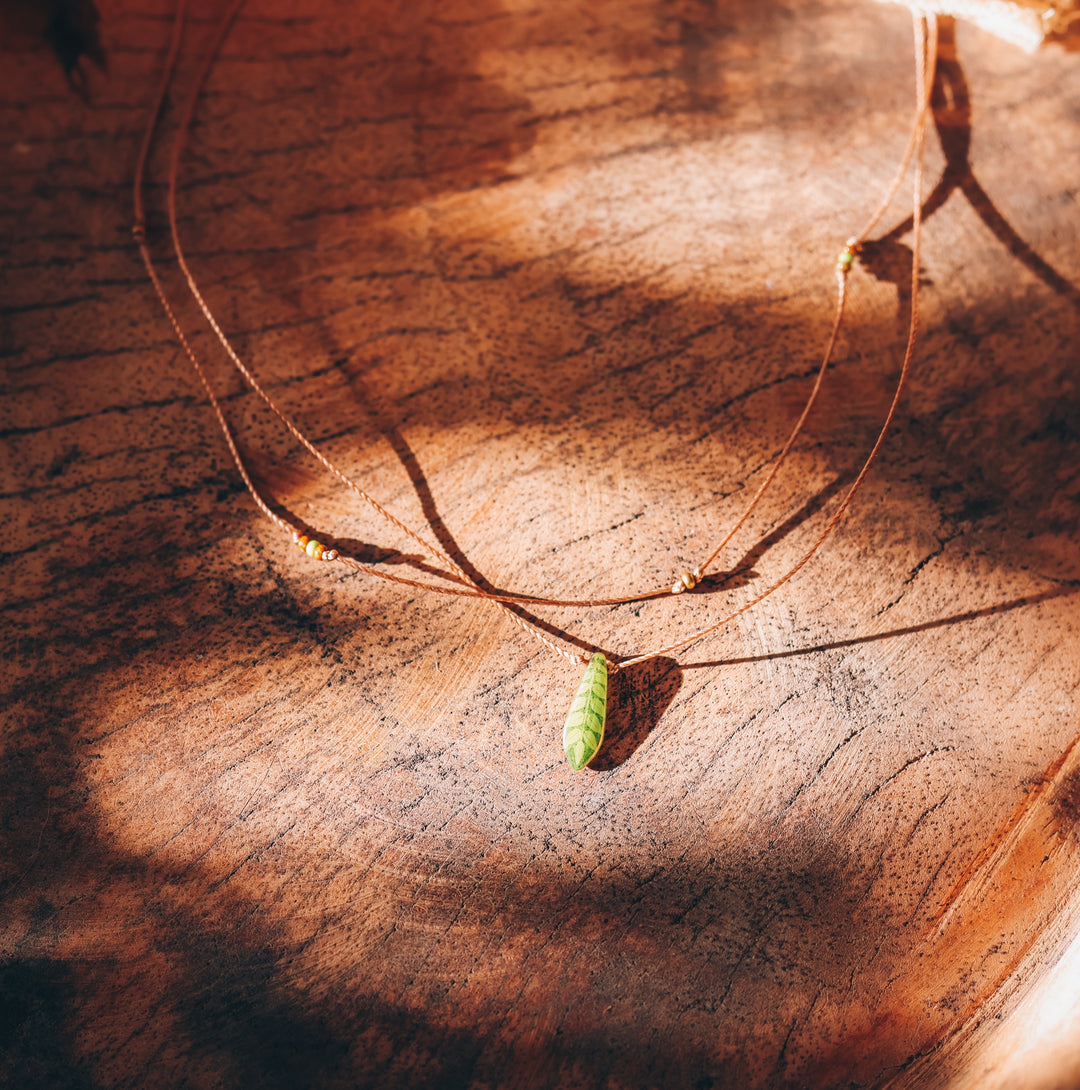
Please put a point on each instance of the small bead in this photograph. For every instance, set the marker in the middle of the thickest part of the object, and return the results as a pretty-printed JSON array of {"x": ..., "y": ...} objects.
[
  {"x": 138, "y": 232},
  {"x": 314, "y": 549},
  {"x": 330, "y": 554},
  {"x": 302, "y": 542},
  {"x": 845, "y": 259},
  {"x": 686, "y": 581}
]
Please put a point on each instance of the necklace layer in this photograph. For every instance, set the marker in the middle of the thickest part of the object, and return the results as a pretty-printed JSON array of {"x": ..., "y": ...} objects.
[{"x": 584, "y": 729}]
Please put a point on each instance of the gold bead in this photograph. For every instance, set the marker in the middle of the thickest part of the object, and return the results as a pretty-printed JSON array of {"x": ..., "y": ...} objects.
[
  {"x": 302, "y": 542},
  {"x": 686, "y": 581}
]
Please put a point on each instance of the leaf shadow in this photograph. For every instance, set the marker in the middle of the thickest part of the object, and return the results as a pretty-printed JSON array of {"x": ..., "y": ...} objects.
[{"x": 638, "y": 697}]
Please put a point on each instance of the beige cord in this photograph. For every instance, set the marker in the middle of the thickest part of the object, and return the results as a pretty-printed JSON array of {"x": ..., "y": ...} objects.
[
  {"x": 926, "y": 47},
  {"x": 925, "y": 61}
]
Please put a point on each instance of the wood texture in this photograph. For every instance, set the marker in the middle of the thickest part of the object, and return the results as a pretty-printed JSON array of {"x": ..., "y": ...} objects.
[{"x": 552, "y": 280}]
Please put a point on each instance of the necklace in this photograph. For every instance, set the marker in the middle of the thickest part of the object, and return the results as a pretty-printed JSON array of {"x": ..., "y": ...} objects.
[{"x": 583, "y": 731}]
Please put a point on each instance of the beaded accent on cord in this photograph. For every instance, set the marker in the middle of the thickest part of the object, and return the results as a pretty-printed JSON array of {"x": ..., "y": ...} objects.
[
  {"x": 687, "y": 581},
  {"x": 315, "y": 549}
]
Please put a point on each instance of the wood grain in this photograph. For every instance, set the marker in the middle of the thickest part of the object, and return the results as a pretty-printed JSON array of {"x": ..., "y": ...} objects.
[{"x": 552, "y": 281}]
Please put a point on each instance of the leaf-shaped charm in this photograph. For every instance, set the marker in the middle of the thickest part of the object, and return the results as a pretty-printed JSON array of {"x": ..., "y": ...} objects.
[{"x": 584, "y": 730}]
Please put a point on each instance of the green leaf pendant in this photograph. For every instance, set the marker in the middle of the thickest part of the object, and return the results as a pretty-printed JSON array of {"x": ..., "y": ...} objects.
[{"x": 584, "y": 730}]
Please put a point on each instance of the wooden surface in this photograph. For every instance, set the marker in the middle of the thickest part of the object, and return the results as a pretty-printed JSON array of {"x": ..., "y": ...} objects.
[{"x": 551, "y": 280}]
